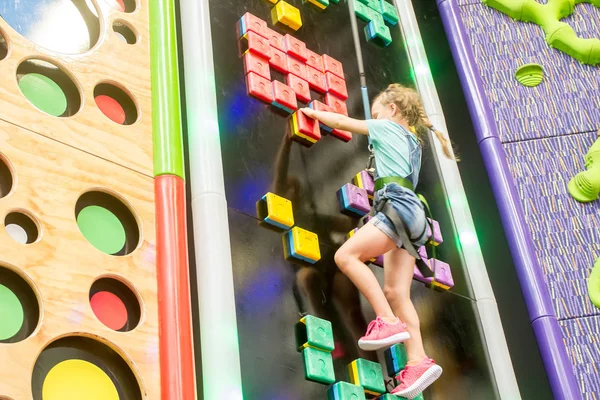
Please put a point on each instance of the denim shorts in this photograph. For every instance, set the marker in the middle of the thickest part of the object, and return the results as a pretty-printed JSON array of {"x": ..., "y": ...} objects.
[{"x": 410, "y": 210}]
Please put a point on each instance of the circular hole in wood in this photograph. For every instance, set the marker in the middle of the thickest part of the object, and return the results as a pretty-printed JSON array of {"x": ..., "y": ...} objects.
[
  {"x": 115, "y": 103},
  {"x": 77, "y": 367},
  {"x": 6, "y": 179},
  {"x": 48, "y": 88},
  {"x": 19, "y": 307},
  {"x": 115, "y": 304},
  {"x": 21, "y": 227},
  {"x": 107, "y": 223},
  {"x": 62, "y": 26},
  {"x": 125, "y": 32},
  {"x": 3, "y": 46},
  {"x": 126, "y": 6}
]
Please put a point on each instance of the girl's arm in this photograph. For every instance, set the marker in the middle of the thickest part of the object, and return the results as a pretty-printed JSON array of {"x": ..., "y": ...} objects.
[{"x": 338, "y": 121}]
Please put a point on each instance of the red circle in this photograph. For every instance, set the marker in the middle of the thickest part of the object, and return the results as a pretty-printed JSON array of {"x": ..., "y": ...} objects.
[
  {"x": 109, "y": 309},
  {"x": 111, "y": 108}
]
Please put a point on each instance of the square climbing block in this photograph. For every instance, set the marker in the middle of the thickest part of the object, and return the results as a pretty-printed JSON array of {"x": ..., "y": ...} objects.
[
  {"x": 345, "y": 391},
  {"x": 337, "y": 105},
  {"x": 435, "y": 238},
  {"x": 395, "y": 359},
  {"x": 443, "y": 275},
  {"x": 422, "y": 252},
  {"x": 259, "y": 87},
  {"x": 254, "y": 43},
  {"x": 303, "y": 245},
  {"x": 284, "y": 97},
  {"x": 362, "y": 11},
  {"x": 336, "y": 85},
  {"x": 314, "y": 332},
  {"x": 250, "y": 22},
  {"x": 286, "y": 14},
  {"x": 365, "y": 181},
  {"x": 257, "y": 64},
  {"x": 296, "y": 67},
  {"x": 295, "y": 47},
  {"x": 318, "y": 366},
  {"x": 418, "y": 276},
  {"x": 275, "y": 39},
  {"x": 367, "y": 374},
  {"x": 298, "y": 136},
  {"x": 353, "y": 200},
  {"x": 307, "y": 126},
  {"x": 374, "y": 5},
  {"x": 276, "y": 210},
  {"x": 300, "y": 86},
  {"x": 317, "y": 105},
  {"x": 279, "y": 61},
  {"x": 314, "y": 60},
  {"x": 316, "y": 79},
  {"x": 332, "y": 65},
  {"x": 378, "y": 32},
  {"x": 389, "y": 12},
  {"x": 344, "y": 136}
]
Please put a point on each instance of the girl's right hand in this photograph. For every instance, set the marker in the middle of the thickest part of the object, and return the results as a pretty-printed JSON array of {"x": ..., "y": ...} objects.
[{"x": 309, "y": 112}]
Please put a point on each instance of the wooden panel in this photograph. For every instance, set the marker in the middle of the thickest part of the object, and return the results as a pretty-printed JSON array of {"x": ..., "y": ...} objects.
[
  {"x": 109, "y": 60},
  {"x": 49, "y": 178}
]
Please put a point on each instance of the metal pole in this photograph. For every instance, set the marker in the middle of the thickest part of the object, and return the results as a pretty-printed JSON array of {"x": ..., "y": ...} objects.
[{"x": 216, "y": 300}]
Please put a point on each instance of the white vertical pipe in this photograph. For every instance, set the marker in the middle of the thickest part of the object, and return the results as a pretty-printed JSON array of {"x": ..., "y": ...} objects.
[
  {"x": 461, "y": 214},
  {"x": 216, "y": 299}
]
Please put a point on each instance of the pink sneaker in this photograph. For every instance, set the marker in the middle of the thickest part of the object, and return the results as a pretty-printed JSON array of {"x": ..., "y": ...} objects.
[
  {"x": 381, "y": 334},
  {"x": 415, "y": 379}
]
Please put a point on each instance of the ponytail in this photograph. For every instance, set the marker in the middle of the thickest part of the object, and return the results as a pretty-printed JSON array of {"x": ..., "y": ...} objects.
[
  {"x": 409, "y": 104},
  {"x": 446, "y": 145}
]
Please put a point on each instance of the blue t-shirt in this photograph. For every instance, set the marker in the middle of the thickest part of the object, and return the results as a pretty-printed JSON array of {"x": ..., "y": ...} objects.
[{"x": 392, "y": 146}]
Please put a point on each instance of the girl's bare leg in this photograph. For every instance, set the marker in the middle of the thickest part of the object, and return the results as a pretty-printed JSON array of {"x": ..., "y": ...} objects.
[
  {"x": 398, "y": 269},
  {"x": 367, "y": 242}
]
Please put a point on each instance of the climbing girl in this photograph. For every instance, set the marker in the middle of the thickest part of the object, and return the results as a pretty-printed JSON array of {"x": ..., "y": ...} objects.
[{"x": 396, "y": 131}]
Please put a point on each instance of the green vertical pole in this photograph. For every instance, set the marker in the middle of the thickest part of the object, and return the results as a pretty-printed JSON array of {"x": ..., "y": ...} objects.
[{"x": 166, "y": 118}]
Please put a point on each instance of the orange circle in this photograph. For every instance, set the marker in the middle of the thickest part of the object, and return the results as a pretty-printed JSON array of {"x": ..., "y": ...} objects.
[
  {"x": 109, "y": 309},
  {"x": 111, "y": 108}
]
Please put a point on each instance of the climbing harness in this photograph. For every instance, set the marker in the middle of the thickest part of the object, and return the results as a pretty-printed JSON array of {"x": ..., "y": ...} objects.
[{"x": 386, "y": 208}]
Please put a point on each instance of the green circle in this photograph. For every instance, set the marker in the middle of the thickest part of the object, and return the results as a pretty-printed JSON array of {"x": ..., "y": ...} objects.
[
  {"x": 11, "y": 313},
  {"x": 44, "y": 93},
  {"x": 102, "y": 229},
  {"x": 530, "y": 75}
]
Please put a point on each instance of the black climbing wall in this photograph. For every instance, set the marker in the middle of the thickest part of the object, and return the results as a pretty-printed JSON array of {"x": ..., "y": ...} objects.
[{"x": 272, "y": 294}]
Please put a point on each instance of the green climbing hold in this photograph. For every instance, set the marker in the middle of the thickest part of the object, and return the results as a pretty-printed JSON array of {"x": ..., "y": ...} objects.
[
  {"x": 102, "y": 229},
  {"x": 318, "y": 366},
  {"x": 44, "y": 93},
  {"x": 559, "y": 35},
  {"x": 585, "y": 186},
  {"x": 530, "y": 75},
  {"x": 594, "y": 284},
  {"x": 11, "y": 313},
  {"x": 314, "y": 332}
]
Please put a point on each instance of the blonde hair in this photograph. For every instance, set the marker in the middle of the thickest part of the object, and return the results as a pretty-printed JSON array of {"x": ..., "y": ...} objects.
[{"x": 409, "y": 103}]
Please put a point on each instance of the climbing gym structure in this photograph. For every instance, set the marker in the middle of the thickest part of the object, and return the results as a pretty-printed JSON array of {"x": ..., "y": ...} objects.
[{"x": 171, "y": 211}]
